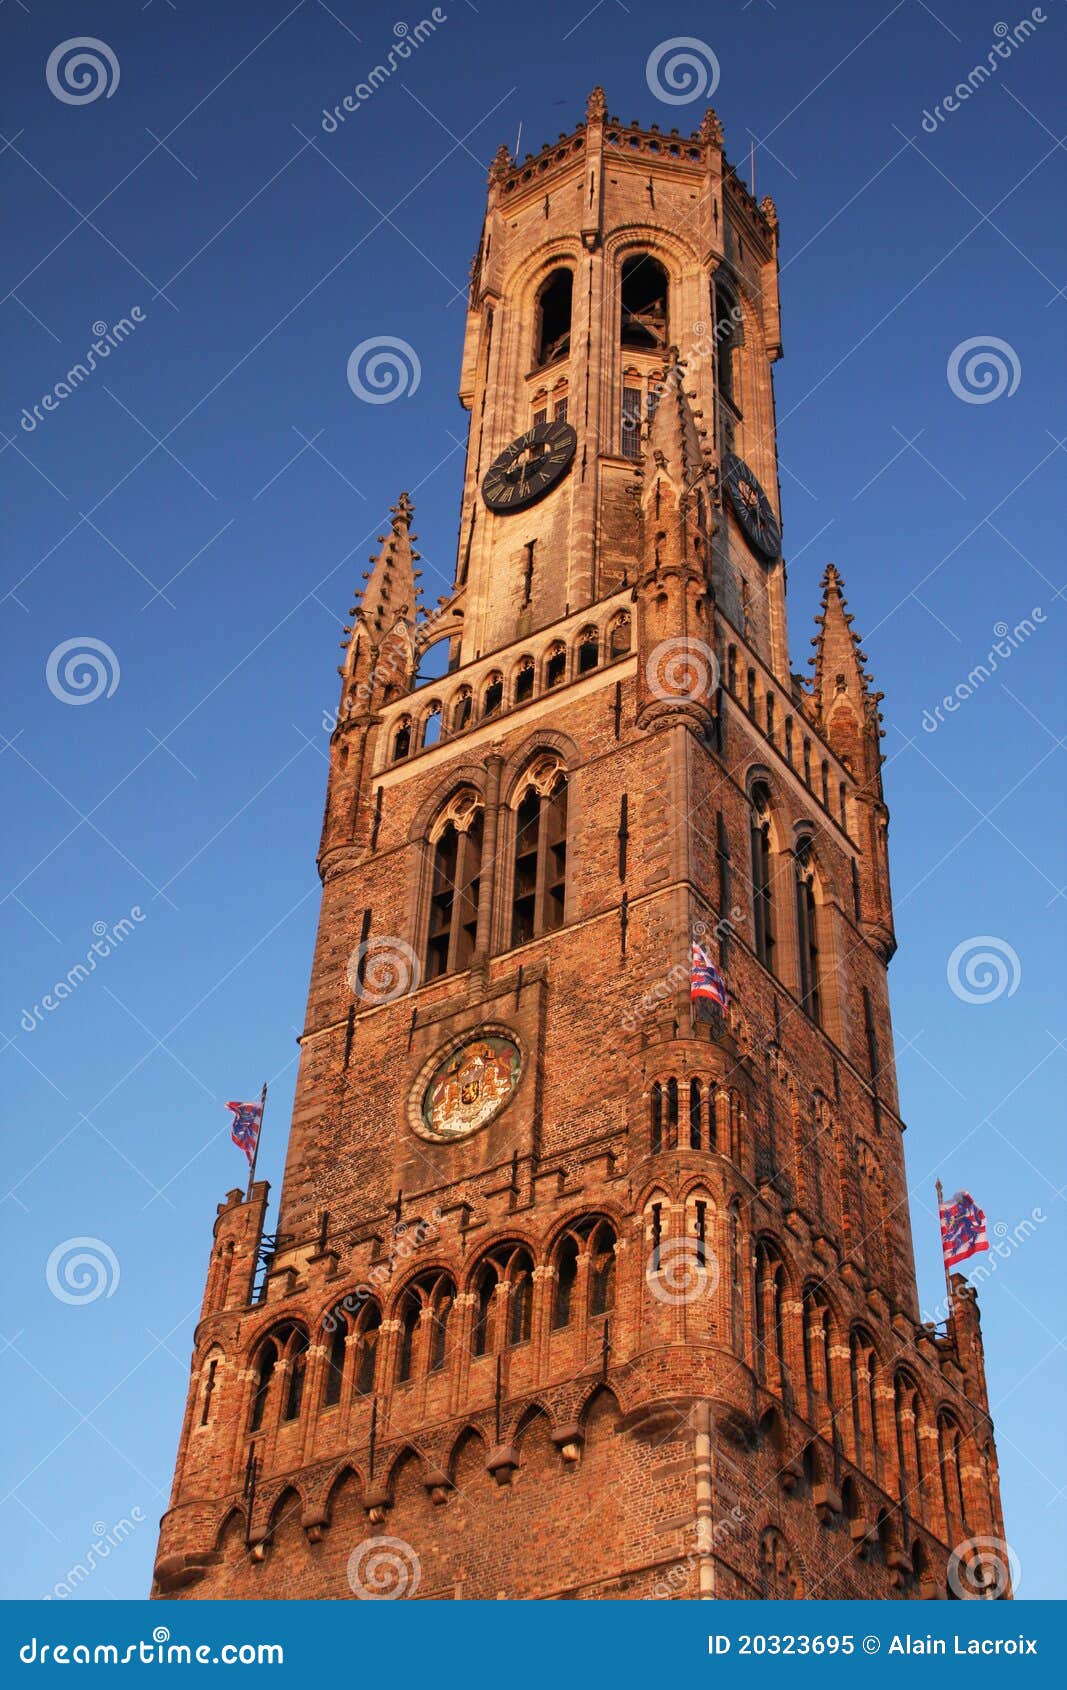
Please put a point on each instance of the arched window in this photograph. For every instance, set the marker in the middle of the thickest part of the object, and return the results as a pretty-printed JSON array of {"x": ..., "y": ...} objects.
[
  {"x": 779, "y": 1580},
  {"x": 737, "y": 1299},
  {"x": 540, "y": 860},
  {"x": 619, "y": 637},
  {"x": 694, "y": 1114},
  {"x": 524, "y": 680},
  {"x": 287, "y": 1344},
  {"x": 268, "y": 1360},
  {"x": 456, "y": 838},
  {"x": 506, "y": 1272},
  {"x": 402, "y": 739},
  {"x": 431, "y": 724},
  {"x": 863, "y": 1375},
  {"x": 727, "y": 335},
  {"x": 656, "y": 1106},
  {"x": 770, "y": 1295},
  {"x": 493, "y": 695},
  {"x": 426, "y": 1303},
  {"x": 335, "y": 1332},
  {"x": 554, "y": 298},
  {"x": 906, "y": 1405},
  {"x": 588, "y": 650},
  {"x": 368, "y": 1328},
  {"x": 672, "y": 1114},
  {"x": 807, "y": 930},
  {"x": 556, "y": 665},
  {"x": 461, "y": 710},
  {"x": 949, "y": 1449},
  {"x": 566, "y": 1279},
  {"x": 645, "y": 295},
  {"x": 296, "y": 1354},
  {"x": 817, "y": 1337},
  {"x": 602, "y": 1270},
  {"x": 762, "y": 890}
]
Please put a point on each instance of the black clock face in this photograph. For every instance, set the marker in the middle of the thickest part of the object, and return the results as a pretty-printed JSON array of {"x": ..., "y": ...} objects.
[
  {"x": 752, "y": 509},
  {"x": 530, "y": 467}
]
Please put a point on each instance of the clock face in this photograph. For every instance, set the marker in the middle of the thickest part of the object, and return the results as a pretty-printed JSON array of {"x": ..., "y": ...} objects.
[
  {"x": 752, "y": 509},
  {"x": 469, "y": 1087},
  {"x": 530, "y": 467}
]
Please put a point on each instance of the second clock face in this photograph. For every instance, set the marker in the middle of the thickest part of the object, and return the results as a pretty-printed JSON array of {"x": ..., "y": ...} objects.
[
  {"x": 752, "y": 509},
  {"x": 530, "y": 467}
]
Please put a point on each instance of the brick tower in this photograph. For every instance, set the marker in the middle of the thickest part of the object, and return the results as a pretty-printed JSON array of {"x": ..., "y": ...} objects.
[{"x": 576, "y": 1291}]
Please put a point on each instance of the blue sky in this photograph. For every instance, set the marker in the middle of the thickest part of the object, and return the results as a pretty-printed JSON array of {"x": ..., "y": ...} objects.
[{"x": 204, "y": 503}]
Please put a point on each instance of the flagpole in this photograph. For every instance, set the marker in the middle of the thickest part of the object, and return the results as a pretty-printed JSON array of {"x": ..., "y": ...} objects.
[
  {"x": 941, "y": 1235},
  {"x": 259, "y": 1135}
]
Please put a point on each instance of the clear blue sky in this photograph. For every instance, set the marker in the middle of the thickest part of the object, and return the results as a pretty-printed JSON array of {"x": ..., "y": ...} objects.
[{"x": 205, "y": 502}]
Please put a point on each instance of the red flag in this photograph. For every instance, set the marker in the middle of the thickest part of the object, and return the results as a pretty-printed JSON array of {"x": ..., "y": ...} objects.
[
  {"x": 963, "y": 1228},
  {"x": 247, "y": 1120}
]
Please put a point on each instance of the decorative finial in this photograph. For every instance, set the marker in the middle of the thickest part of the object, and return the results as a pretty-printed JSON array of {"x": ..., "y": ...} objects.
[
  {"x": 769, "y": 210},
  {"x": 710, "y": 128},
  {"x": 502, "y": 162},
  {"x": 596, "y": 106}
]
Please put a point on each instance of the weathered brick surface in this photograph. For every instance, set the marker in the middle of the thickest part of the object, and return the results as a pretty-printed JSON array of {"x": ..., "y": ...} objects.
[{"x": 758, "y": 1411}]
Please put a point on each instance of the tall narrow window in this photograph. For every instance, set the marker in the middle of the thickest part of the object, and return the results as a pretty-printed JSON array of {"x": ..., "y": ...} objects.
[
  {"x": 455, "y": 881},
  {"x": 294, "y": 1396},
  {"x": 369, "y": 1327},
  {"x": 540, "y": 862},
  {"x": 554, "y": 317},
  {"x": 556, "y": 666},
  {"x": 484, "y": 1303},
  {"x": 644, "y": 292},
  {"x": 520, "y": 1300},
  {"x": 672, "y": 1114},
  {"x": 209, "y": 1387},
  {"x": 409, "y": 1324},
  {"x": 335, "y": 1362},
  {"x": 493, "y": 696},
  {"x": 602, "y": 1271},
  {"x": 461, "y": 712},
  {"x": 619, "y": 638},
  {"x": 657, "y": 1118},
  {"x": 762, "y": 895},
  {"x": 694, "y": 1114},
  {"x": 524, "y": 680},
  {"x": 807, "y": 931},
  {"x": 588, "y": 650},
  {"x": 631, "y": 422},
  {"x": 727, "y": 323},
  {"x": 441, "y": 1302},
  {"x": 264, "y": 1374},
  {"x": 566, "y": 1279}
]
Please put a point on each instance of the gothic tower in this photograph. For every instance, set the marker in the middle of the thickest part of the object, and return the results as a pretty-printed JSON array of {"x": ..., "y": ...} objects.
[{"x": 575, "y": 1291}]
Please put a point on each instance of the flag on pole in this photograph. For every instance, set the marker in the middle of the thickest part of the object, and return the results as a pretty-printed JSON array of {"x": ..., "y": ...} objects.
[
  {"x": 963, "y": 1228},
  {"x": 705, "y": 981},
  {"x": 247, "y": 1120}
]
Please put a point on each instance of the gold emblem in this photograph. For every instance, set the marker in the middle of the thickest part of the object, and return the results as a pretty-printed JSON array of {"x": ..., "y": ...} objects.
[{"x": 470, "y": 1086}]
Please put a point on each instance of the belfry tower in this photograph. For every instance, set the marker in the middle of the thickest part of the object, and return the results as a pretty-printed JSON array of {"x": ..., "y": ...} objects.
[{"x": 576, "y": 1292}]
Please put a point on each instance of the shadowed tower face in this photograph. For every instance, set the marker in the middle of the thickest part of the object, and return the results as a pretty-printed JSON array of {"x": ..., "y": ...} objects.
[{"x": 582, "y": 1286}]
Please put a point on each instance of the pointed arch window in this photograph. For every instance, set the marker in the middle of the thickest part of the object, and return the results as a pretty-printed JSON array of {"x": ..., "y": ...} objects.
[
  {"x": 556, "y": 665},
  {"x": 296, "y": 1352},
  {"x": 335, "y": 1328},
  {"x": 656, "y": 1110},
  {"x": 645, "y": 299},
  {"x": 456, "y": 841},
  {"x": 602, "y": 1270},
  {"x": 566, "y": 1279},
  {"x": 619, "y": 637},
  {"x": 461, "y": 710},
  {"x": 524, "y": 680},
  {"x": 762, "y": 886},
  {"x": 554, "y": 303},
  {"x": 808, "y": 930},
  {"x": 368, "y": 1328},
  {"x": 727, "y": 327},
  {"x": 425, "y": 1305},
  {"x": 402, "y": 739},
  {"x": 268, "y": 1360},
  {"x": 493, "y": 696},
  {"x": 540, "y": 856},
  {"x": 503, "y": 1299},
  {"x": 588, "y": 650}
]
